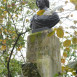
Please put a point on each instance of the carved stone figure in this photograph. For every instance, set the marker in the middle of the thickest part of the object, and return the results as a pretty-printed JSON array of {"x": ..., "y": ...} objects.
[{"x": 45, "y": 21}]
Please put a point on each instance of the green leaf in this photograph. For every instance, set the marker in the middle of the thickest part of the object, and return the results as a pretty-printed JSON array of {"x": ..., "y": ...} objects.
[{"x": 51, "y": 33}]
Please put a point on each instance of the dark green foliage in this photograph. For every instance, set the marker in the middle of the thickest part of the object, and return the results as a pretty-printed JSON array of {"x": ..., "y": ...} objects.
[{"x": 30, "y": 70}]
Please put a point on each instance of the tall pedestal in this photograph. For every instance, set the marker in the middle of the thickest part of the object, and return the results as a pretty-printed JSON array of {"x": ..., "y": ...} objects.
[{"x": 44, "y": 52}]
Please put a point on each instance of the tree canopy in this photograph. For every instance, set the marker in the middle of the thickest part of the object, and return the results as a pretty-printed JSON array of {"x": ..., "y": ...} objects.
[{"x": 14, "y": 24}]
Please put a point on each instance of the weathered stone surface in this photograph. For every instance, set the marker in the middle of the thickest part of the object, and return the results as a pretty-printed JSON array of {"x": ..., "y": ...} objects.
[{"x": 45, "y": 52}]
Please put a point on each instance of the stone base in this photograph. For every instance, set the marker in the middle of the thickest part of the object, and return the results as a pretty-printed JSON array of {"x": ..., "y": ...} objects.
[{"x": 44, "y": 51}]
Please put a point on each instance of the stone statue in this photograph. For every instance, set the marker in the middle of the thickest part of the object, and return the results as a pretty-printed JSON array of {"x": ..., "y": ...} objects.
[{"x": 45, "y": 21}]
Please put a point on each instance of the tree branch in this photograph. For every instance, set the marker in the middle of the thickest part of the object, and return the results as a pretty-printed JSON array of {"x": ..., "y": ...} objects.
[{"x": 9, "y": 74}]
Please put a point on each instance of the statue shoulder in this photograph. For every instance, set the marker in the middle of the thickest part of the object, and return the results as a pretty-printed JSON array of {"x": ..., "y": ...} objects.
[
  {"x": 34, "y": 16},
  {"x": 48, "y": 12}
]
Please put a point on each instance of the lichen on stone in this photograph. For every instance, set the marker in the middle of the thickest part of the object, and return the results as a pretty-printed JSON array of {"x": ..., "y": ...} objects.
[{"x": 33, "y": 36}]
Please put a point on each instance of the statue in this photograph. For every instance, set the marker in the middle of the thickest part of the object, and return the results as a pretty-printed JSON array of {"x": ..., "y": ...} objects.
[{"x": 43, "y": 22}]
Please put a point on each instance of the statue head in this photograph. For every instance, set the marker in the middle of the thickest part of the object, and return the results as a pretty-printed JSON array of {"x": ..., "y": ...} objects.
[{"x": 42, "y": 4}]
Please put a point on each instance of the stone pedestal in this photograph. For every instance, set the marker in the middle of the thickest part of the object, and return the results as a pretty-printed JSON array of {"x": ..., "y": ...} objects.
[{"x": 44, "y": 51}]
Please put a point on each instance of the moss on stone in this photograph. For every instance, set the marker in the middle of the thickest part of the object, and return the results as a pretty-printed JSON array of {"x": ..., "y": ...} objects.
[{"x": 33, "y": 36}]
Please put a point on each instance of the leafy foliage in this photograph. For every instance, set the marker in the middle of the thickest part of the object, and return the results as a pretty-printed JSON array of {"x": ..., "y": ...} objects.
[
  {"x": 13, "y": 19},
  {"x": 60, "y": 32},
  {"x": 75, "y": 3},
  {"x": 11, "y": 35},
  {"x": 40, "y": 12}
]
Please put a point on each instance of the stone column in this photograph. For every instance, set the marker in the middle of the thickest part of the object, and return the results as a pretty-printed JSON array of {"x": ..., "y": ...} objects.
[{"x": 44, "y": 51}]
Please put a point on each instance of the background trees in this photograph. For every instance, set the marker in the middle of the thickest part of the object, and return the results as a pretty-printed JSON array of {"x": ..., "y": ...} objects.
[{"x": 14, "y": 27}]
